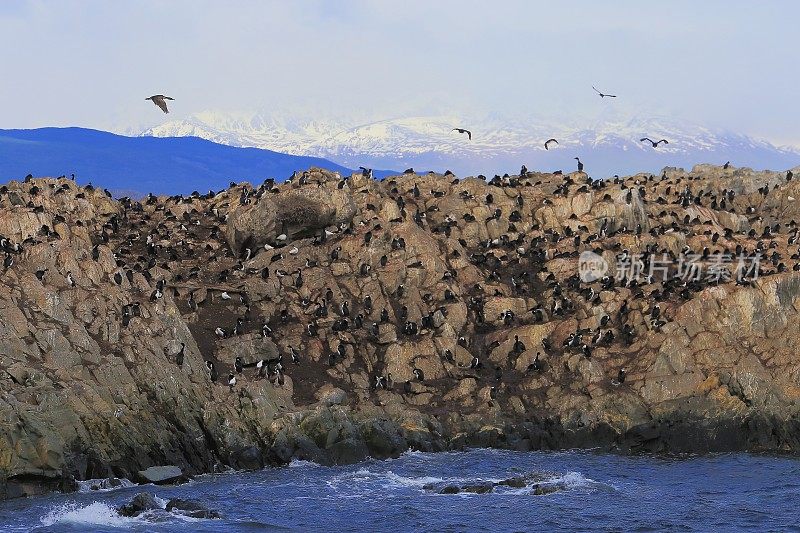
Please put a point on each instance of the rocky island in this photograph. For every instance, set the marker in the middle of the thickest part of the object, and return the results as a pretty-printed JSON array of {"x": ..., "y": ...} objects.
[{"x": 332, "y": 318}]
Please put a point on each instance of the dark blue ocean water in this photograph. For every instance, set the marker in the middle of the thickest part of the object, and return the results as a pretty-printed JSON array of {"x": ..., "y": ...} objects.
[{"x": 597, "y": 492}]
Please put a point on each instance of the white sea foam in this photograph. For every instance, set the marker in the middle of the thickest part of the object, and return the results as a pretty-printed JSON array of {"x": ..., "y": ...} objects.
[
  {"x": 404, "y": 481},
  {"x": 96, "y": 513},
  {"x": 86, "y": 486},
  {"x": 102, "y": 514},
  {"x": 301, "y": 463},
  {"x": 574, "y": 480}
]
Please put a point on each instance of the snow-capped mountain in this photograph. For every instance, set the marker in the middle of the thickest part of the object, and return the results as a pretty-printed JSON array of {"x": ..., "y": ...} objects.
[{"x": 607, "y": 146}]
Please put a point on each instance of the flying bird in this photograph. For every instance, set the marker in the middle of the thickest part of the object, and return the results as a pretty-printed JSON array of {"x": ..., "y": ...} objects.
[
  {"x": 604, "y": 95},
  {"x": 462, "y": 130},
  {"x": 160, "y": 101},
  {"x": 547, "y": 143},
  {"x": 654, "y": 143}
]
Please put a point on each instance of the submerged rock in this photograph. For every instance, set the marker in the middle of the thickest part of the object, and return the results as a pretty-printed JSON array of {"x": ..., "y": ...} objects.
[
  {"x": 479, "y": 487},
  {"x": 514, "y": 482},
  {"x": 109, "y": 483},
  {"x": 545, "y": 489},
  {"x": 142, "y": 502},
  {"x": 190, "y": 508}
]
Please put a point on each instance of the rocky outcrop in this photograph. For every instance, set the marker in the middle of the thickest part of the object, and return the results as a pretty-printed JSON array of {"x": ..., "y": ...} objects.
[
  {"x": 420, "y": 312},
  {"x": 190, "y": 508},
  {"x": 144, "y": 502},
  {"x": 141, "y": 503},
  {"x": 537, "y": 484},
  {"x": 297, "y": 212},
  {"x": 161, "y": 475}
]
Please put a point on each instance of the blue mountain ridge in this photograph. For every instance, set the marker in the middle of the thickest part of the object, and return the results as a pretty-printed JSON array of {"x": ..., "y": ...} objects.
[{"x": 138, "y": 165}]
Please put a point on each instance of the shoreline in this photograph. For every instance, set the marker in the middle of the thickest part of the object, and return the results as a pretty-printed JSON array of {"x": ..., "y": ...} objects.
[{"x": 582, "y": 440}]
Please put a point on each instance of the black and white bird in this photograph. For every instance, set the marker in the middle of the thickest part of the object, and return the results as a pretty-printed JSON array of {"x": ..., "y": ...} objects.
[
  {"x": 191, "y": 302},
  {"x": 536, "y": 366},
  {"x": 548, "y": 142},
  {"x": 180, "y": 355},
  {"x": 212, "y": 372},
  {"x": 283, "y": 235},
  {"x": 231, "y": 381}
]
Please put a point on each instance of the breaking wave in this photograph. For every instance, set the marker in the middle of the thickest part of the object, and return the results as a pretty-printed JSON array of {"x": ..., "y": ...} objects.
[
  {"x": 94, "y": 514},
  {"x": 101, "y": 485}
]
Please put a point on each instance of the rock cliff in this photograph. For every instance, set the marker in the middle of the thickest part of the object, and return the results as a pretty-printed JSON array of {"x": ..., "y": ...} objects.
[{"x": 362, "y": 317}]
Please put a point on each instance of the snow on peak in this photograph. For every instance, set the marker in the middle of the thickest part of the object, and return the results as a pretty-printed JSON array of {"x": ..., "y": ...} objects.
[{"x": 395, "y": 142}]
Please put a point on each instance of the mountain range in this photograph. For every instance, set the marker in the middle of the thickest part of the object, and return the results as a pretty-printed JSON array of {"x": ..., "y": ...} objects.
[
  {"x": 607, "y": 146},
  {"x": 137, "y": 165},
  {"x": 209, "y": 150}
]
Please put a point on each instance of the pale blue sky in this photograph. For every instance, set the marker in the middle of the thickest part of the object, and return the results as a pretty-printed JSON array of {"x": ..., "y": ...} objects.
[{"x": 725, "y": 64}]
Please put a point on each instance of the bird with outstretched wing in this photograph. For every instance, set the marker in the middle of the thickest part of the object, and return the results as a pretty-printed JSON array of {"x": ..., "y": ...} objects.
[
  {"x": 654, "y": 143},
  {"x": 462, "y": 130},
  {"x": 603, "y": 95},
  {"x": 160, "y": 101}
]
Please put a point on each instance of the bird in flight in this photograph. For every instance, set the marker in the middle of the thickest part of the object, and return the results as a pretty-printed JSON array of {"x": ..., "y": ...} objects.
[
  {"x": 462, "y": 130},
  {"x": 160, "y": 101},
  {"x": 603, "y": 95},
  {"x": 654, "y": 143},
  {"x": 548, "y": 142}
]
